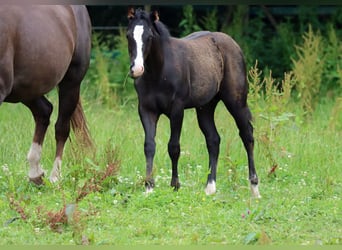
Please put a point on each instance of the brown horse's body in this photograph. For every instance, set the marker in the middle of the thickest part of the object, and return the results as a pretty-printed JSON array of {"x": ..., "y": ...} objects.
[{"x": 41, "y": 47}]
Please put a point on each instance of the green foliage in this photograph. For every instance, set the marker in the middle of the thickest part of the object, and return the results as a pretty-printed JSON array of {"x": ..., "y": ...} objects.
[
  {"x": 281, "y": 49},
  {"x": 210, "y": 21},
  {"x": 101, "y": 77},
  {"x": 274, "y": 47},
  {"x": 189, "y": 22},
  {"x": 236, "y": 27},
  {"x": 255, "y": 47},
  {"x": 332, "y": 50},
  {"x": 107, "y": 79},
  {"x": 121, "y": 67}
]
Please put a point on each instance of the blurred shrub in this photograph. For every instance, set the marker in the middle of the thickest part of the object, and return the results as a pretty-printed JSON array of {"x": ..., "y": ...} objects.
[{"x": 107, "y": 79}]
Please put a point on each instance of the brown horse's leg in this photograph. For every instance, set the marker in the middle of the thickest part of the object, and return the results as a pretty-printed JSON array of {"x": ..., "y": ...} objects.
[
  {"x": 205, "y": 117},
  {"x": 41, "y": 110},
  {"x": 69, "y": 91},
  {"x": 68, "y": 98}
]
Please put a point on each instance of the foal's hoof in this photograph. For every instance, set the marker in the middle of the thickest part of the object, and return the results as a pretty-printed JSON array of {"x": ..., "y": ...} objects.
[
  {"x": 255, "y": 191},
  {"x": 255, "y": 187},
  {"x": 53, "y": 178},
  {"x": 149, "y": 185},
  {"x": 210, "y": 188},
  {"x": 37, "y": 180},
  {"x": 148, "y": 190},
  {"x": 175, "y": 184}
]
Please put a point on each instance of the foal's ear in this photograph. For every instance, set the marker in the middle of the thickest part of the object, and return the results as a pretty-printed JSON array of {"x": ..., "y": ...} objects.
[
  {"x": 155, "y": 16},
  {"x": 130, "y": 13}
]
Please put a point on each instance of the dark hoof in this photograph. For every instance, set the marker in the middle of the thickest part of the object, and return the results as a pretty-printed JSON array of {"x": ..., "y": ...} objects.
[
  {"x": 175, "y": 184},
  {"x": 149, "y": 184},
  {"x": 254, "y": 180},
  {"x": 38, "y": 180}
]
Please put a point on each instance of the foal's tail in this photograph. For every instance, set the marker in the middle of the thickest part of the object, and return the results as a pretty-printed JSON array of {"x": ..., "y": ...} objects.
[{"x": 80, "y": 128}]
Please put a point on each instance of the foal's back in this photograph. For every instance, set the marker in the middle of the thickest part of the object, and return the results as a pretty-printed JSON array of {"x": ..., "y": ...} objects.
[{"x": 206, "y": 59}]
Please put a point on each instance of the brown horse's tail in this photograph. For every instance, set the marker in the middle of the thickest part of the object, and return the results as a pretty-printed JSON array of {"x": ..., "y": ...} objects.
[{"x": 80, "y": 128}]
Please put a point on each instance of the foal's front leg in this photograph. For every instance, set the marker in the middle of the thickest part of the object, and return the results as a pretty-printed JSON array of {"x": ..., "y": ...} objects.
[
  {"x": 149, "y": 121},
  {"x": 176, "y": 121}
]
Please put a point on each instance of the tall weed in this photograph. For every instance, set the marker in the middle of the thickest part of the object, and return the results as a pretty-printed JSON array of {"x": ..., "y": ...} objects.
[
  {"x": 270, "y": 101},
  {"x": 308, "y": 69}
]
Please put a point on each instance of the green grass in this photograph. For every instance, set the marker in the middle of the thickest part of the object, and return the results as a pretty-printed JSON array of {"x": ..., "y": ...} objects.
[{"x": 300, "y": 205}]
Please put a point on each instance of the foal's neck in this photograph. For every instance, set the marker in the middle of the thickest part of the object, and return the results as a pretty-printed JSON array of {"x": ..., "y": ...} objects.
[{"x": 156, "y": 57}]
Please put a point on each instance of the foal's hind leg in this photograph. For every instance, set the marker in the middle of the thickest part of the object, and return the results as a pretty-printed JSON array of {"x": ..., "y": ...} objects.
[
  {"x": 242, "y": 116},
  {"x": 41, "y": 110},
  {"x": 205, "y": 117},
  {"x": 68, "y": 94}
]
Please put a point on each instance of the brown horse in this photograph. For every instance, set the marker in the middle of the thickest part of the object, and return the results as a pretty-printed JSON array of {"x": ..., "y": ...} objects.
[
  {"x": 41, "y": 47},
  {"x": 197, "y": 71}
]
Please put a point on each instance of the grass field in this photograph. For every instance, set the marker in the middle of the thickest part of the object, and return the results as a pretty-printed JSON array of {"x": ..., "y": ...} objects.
[{"x": 300, "y": 205}]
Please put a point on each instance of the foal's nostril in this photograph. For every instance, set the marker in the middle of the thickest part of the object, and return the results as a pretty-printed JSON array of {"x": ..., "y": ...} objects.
[{"x": 131, "y": 69}]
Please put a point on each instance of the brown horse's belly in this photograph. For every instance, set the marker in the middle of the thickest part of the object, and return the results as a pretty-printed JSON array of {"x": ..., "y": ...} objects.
[
  {"x": 25, "y": 93},
  {"x": 42, "y": 45}
]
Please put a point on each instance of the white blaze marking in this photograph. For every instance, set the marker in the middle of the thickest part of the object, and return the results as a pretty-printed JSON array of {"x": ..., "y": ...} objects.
[
  {"x": 33, "y": 158},
  {"x": 137, "y": 35},
  {"x": 211, "y": 188}
]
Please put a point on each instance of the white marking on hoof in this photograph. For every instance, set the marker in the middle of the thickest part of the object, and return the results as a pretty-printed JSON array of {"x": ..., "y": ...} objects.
[
  {"x": 211, "y": 188},
  {"x": 36, "y": 173},
  {"x": 33, "y": 158},
  {"x": 56, "y": 170},
  {"x": 255, "y": 191},
  {"x": 148, "y": 190}
]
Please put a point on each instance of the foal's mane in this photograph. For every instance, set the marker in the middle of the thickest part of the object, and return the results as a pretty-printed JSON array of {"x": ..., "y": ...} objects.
[
  {"x": 158, "y": 26},
  {"x": 162, "y": 30}
]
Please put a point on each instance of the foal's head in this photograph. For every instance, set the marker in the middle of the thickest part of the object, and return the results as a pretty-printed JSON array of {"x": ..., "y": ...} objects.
[{"x": 140, "y": 32}]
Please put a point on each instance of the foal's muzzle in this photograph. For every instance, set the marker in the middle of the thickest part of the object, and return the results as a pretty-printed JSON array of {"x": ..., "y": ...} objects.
[{"x": 136, "y": 70}]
